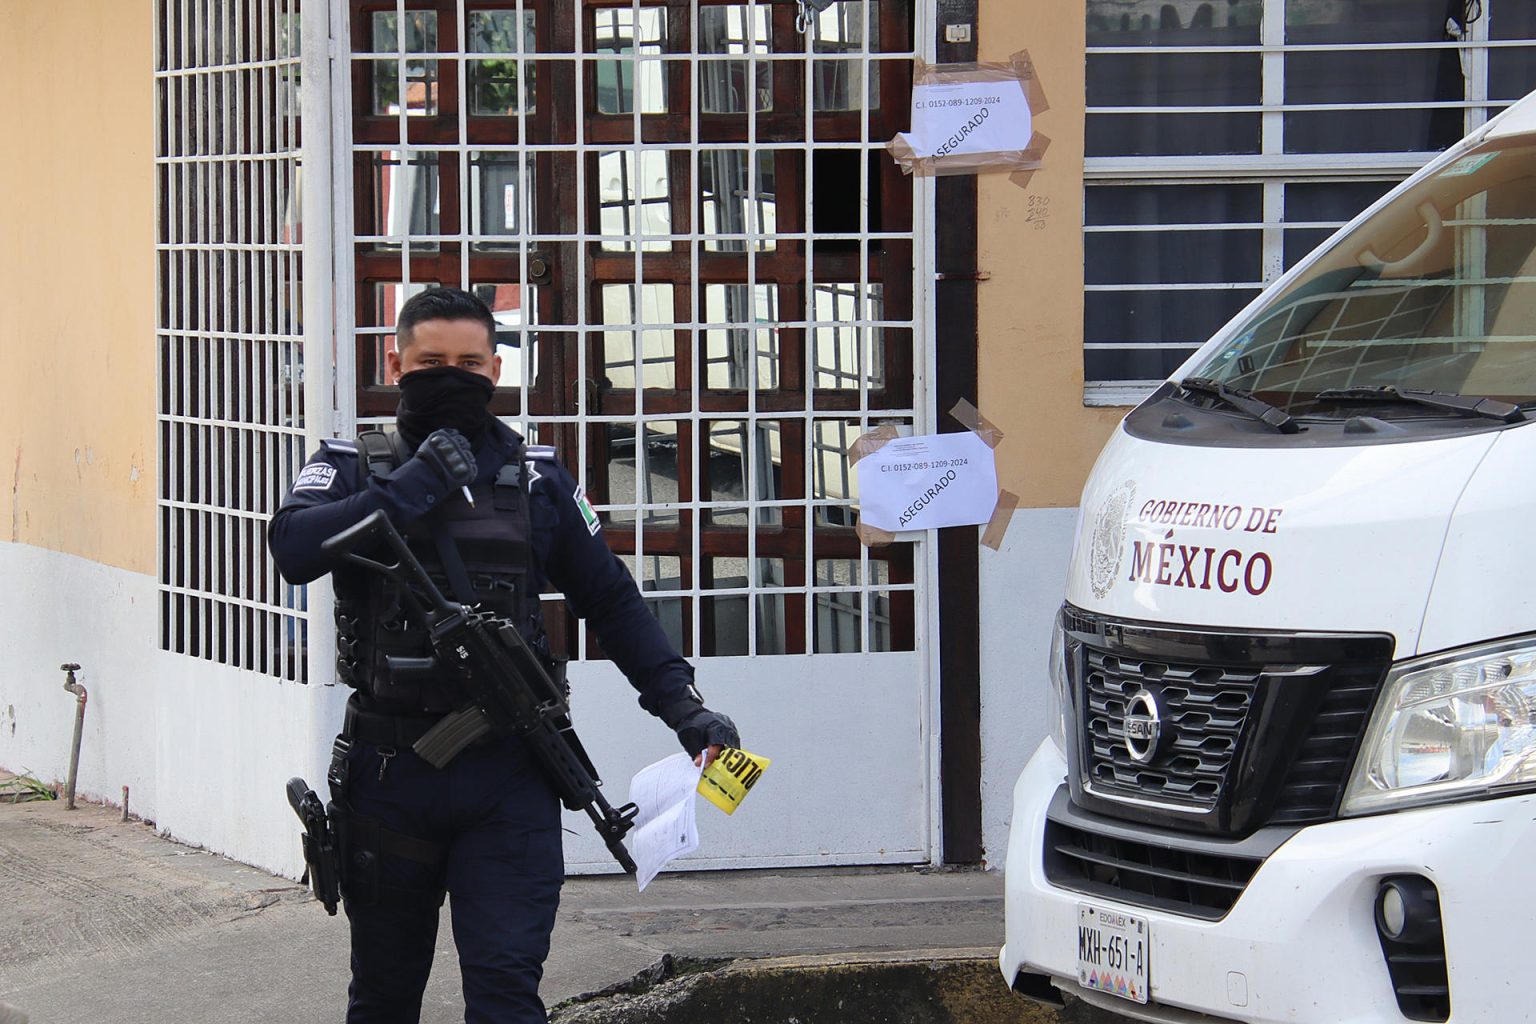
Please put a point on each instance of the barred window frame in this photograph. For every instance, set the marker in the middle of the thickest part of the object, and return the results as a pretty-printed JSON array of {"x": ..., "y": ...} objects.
[
  {"x": 230, "y": 410},
  {"x": 1120, "y": 369}
]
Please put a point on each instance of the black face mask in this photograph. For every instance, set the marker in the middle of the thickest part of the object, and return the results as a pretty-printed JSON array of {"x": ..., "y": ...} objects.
[{"x": 443, "y": 397}]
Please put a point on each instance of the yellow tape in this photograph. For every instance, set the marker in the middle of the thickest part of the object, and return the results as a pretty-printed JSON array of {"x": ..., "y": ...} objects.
[{"x": 730, "y": 777}]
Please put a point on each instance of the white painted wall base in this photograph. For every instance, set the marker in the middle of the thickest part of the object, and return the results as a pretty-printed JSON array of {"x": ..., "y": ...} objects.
[
  {"x": 1022, "y": 586},
  {"x": 204, "y": 749}
]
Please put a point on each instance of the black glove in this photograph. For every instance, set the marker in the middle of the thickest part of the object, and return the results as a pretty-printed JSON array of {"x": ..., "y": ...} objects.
[
  {"x": 450, "y": 455},
  {"x": 698, "y": 727}
]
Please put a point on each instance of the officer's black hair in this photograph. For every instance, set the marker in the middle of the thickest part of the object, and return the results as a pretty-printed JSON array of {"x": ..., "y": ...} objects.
[{"x": 443, "y": 304}]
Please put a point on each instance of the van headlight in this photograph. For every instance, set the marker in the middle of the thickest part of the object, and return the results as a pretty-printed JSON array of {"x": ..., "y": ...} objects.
[
  {"x": 1057, "y": 701},
  {"x": 1449, "y": 726}
]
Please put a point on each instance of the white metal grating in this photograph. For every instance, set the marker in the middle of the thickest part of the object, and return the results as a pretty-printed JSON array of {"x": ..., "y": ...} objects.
[
  {"x": 231, "y": 408},
  {"x": 701, "y": 358}
]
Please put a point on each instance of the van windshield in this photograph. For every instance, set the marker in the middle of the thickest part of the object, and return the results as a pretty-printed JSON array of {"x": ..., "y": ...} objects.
[{"x": 1436, "y": 291}]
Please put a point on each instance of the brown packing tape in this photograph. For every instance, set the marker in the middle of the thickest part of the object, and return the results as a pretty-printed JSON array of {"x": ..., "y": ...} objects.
[
  {"x": 1034, "y": 159},
  {"x": 871, "y": 537},
  {"x": 971, "y": 418},
  {"x": 1034, "y": 92},
  {"x": 991, "y": 435},
  {"x": 871, "y": 441},
  {"x": 868, "y": 443},
  {"x": 1002, "y": 513},
  {"x": 1018, "y": 68}
]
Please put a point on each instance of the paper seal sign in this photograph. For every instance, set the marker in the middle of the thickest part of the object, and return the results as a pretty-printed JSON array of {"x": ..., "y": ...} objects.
[
  {"x": 928, "y": 483},
  {"x": 958, "y": 118}
]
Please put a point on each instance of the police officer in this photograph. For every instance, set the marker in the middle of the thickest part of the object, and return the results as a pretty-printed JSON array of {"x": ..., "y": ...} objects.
[{"x": 486, "y": 827}]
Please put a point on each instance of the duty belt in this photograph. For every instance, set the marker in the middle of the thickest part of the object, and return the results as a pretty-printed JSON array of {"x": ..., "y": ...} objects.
[{"x": 381, "y": 730}]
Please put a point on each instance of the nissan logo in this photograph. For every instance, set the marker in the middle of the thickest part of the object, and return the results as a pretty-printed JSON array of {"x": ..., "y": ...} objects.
[{"x": 1143, "y": 726}]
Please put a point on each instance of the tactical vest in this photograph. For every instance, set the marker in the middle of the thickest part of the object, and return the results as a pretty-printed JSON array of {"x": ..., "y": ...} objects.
[{"x": 476, "y": 555}]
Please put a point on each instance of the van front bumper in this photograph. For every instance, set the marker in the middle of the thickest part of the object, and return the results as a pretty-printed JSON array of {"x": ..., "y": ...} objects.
[{"x": 1300, "y": 944}]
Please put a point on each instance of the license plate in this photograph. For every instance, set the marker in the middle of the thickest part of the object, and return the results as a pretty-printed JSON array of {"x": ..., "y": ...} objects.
[{"x": 1112, "y": 952}]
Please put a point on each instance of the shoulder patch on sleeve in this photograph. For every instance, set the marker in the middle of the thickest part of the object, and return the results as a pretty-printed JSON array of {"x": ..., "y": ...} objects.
[
  {"x": 588, "y": 516},
  {"x": 540, "y": 451},
  {"x": 338, "y": 444},
  {"x": 317, "y": 476}
]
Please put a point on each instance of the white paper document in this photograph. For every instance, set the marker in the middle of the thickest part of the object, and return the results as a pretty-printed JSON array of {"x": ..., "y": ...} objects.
[
  {"x": 666, "y": 826},
  {"x": 925, "y": 483},
  {"x": 969, "y": 117}
]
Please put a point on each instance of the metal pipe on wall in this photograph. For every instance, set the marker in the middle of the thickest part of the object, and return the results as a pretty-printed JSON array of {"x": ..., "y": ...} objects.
[{"x": 70, "y": 668}]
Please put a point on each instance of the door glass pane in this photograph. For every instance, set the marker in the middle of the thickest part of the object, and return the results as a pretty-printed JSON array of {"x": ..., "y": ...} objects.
[
  {"x": 838, "y": 622},
  {"x": 889, "y": 615},
  {"x": 831, "y": 474},
  {"x": 661, "y": 572},
  {"x": 636, "y": 199},
  {"x": 619, "y": 80},
  {"x": 406, "y": 200},
  {"x": 847, "y": 349},
  {"x": 495, "y": 88},
  {"x": 655, "y": 359},
  {"x": 499, "y": 202},
  {"x": 727, "y": 457},
  {"x": 725, "y": 620},
  {"x": 659, "y": 481},
  {"x": 727, "y": 86},
  {"x": 840, "y": 84},
  {"x": 420, "y": 32},
  {"x": 837, "y": 572},
  {"x": 746, "y": 356},
  {"x": 620, "y": 480},
  {"x": 513, "y": 306},
  {"x": 733, "y": 204},
  {"x": 419, "y": 96}
]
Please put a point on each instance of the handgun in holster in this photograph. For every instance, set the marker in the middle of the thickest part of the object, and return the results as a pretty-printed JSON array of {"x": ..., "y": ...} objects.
[{"x": 322, "y": 849}]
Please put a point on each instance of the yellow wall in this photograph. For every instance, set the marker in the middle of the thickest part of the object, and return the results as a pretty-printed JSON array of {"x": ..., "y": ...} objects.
[
  {"x": 77, "y": 279},
  {"x": 1031, "y": 309}
]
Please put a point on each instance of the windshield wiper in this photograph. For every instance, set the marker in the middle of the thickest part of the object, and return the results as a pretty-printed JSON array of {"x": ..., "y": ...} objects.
[
  {"x": 1474, "y": 405},
  {"x": 1243, "y": 401}
]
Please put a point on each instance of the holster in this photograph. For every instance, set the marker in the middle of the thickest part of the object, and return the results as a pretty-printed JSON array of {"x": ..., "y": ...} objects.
[{"x": 363, "y": 841}]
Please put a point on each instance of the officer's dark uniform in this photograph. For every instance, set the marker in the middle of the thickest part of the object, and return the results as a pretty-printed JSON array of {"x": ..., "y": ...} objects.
[{"x": 485, "y": 828}]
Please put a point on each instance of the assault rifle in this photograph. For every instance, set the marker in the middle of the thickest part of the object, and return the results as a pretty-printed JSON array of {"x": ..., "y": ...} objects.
[
  {"x": 511, "y": 692},
  {"x": 321, "y": 858}
]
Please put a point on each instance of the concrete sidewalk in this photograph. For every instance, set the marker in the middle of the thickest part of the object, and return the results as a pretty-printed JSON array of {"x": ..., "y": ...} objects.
[{"x": 105, "y": 922}]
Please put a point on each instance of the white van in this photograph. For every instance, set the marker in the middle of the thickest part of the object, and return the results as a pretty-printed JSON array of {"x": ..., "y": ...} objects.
[{"x": 1293, "y": 773}]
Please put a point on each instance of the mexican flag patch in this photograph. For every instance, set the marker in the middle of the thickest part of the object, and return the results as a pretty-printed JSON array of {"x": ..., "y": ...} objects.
[{"x": 585, "y": 507}]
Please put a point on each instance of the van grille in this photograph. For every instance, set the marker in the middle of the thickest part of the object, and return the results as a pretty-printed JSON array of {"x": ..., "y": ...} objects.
[
  {"x": 1205, "y": 707},
  {"x": 1254, "y": 728},
  {"x": 1194, "y": 884},
  {"x": 1314, "y": 785}
]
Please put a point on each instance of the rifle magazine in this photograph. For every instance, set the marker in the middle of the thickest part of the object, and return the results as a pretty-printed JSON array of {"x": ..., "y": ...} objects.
[{"x": 443, "y": 742}]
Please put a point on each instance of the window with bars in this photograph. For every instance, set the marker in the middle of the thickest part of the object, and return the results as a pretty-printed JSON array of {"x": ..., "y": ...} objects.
[
  {"x": 230, "y": 408},
  {"x": 1225, "y": 140},
  {"x": 682, "y": 216}
]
